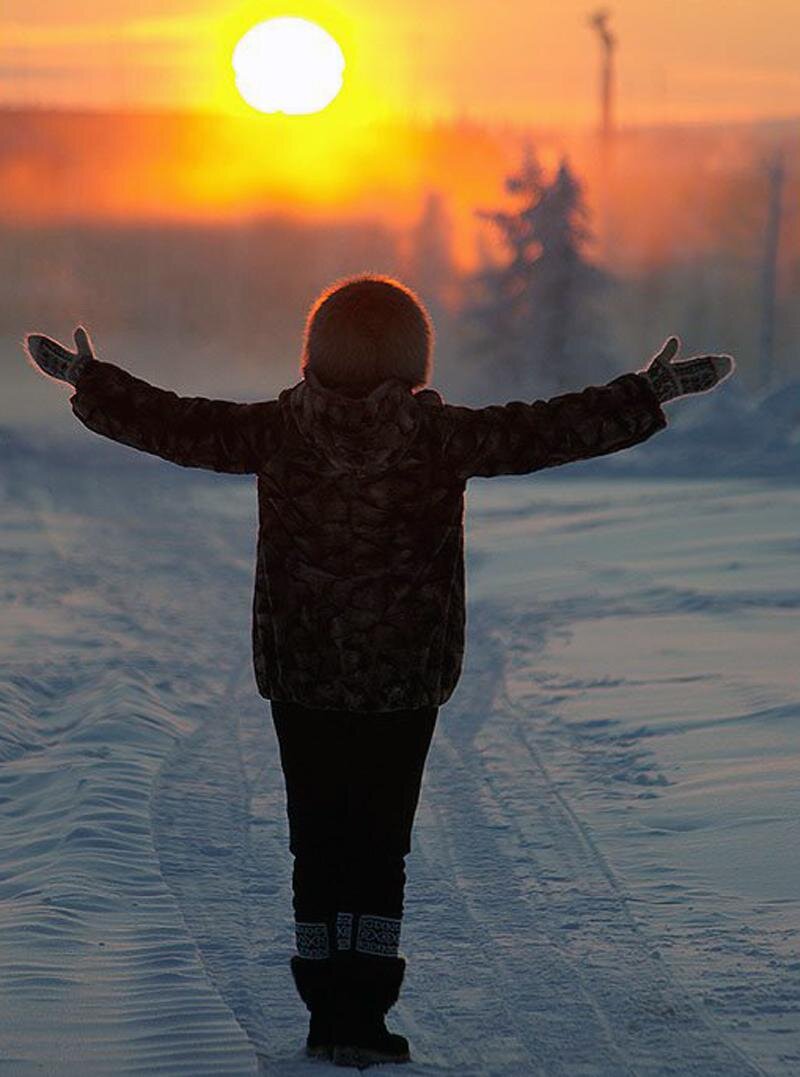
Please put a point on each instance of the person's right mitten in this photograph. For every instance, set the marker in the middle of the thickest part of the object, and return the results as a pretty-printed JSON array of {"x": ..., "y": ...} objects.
[
  {"x": 56, "y": 361},
  {"x": 696, "y": 375}
]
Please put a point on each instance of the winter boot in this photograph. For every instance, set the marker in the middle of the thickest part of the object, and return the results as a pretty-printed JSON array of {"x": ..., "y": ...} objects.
[
  {"x": 366, "y": 987},
  {"x": 314, "y": 982}
]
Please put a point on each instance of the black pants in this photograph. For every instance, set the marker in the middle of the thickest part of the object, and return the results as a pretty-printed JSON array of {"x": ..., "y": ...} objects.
[{"x": 352, "y": 787}]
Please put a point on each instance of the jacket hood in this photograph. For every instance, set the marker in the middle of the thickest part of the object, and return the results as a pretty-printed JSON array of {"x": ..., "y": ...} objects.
[{"x": 364, "y": 434}]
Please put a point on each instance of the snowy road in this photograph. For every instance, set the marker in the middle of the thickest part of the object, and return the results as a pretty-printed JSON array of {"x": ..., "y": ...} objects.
[{"x": 145, "y": 916}]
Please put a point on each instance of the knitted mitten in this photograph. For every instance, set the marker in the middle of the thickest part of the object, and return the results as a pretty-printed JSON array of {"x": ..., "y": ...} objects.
[
  {"x": 697, "y": 375},
  {"x": 57, "y": 361}
]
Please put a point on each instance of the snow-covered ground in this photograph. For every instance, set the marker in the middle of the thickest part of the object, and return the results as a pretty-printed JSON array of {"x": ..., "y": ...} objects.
[{"x": 605, "y": 877}]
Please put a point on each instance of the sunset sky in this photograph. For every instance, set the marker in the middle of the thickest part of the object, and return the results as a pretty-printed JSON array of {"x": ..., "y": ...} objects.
[{"x": 517, "y": 60}]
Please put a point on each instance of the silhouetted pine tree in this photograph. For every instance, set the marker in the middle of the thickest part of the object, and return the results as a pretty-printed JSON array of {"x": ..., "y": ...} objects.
[
  {"x": 534, "y": 317},
  {"x": 494, "y": 311}
]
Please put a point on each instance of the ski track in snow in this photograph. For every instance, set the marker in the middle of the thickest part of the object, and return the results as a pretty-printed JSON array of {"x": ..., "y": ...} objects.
[{"x": 145, "y": 896}]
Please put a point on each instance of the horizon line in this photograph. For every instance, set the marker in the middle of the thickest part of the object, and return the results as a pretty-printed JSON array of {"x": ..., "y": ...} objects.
[{"x": 454, "y": 120}]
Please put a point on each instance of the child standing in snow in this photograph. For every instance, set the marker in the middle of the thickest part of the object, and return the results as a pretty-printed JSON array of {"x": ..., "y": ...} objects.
[{"x": 359, "y": 605}]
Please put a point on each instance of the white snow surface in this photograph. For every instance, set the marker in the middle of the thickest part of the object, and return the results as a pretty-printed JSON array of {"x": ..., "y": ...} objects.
[{"x": 605, "y": 873}]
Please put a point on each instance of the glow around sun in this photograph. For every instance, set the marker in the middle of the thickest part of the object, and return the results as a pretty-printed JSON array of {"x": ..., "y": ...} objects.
[{"x": 288, "y": 65}]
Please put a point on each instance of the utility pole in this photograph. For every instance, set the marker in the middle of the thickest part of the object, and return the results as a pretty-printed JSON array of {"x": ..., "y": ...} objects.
[
  {"x": 608, "y": 42},
  {"x": 605, "y": 164},
  {"x": 776, "y": 175}
]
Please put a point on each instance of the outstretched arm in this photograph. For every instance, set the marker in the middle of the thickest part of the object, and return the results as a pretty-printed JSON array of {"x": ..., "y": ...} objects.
[
  {"x": 190, "y": 431},
  {"x": 518, "y": 437}
]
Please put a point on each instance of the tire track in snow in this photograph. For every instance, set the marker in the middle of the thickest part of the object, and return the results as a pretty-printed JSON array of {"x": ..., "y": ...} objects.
[
  {"x": 222, "y": 840},
  {"x": 523, "y": 957},
  {"x": 586, "y": 991},
  {"x": 200, "y": 821}
]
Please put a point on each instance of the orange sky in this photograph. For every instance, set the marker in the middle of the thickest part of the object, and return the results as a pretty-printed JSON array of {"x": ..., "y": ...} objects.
[{"x": 513, "y": 60}]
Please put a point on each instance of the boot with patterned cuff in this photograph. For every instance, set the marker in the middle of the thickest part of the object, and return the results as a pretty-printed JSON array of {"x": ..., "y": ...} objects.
[
  {"x": 367, "y": 987},
  {"x": 313, "y": 971},
  {"x": 369, "y": 975},
  {"x": 348, "y": 973},
  {"x": 315, "y": 986}
]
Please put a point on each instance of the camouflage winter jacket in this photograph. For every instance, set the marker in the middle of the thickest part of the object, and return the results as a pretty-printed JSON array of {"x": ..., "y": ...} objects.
[{"x": 359, "y": 597}]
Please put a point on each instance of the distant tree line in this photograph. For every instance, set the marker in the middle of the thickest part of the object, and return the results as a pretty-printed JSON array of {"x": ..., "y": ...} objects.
[{"x": 538, "y": 314}]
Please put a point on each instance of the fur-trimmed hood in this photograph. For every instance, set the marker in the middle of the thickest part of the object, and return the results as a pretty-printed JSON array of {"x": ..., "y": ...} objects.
[{"x": 366, "y": 434}]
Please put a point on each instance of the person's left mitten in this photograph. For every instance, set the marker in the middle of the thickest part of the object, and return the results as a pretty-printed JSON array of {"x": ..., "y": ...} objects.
[
  {"x": 699, "y": 374},
  {"x": 57, "y": 361}
]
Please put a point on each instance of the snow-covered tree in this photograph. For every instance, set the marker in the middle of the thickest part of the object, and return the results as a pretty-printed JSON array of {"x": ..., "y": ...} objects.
[{"x": 534, "y": 315}]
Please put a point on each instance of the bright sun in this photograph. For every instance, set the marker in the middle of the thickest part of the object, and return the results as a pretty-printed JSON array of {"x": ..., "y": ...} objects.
[{"x": 288, "y": 65}]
